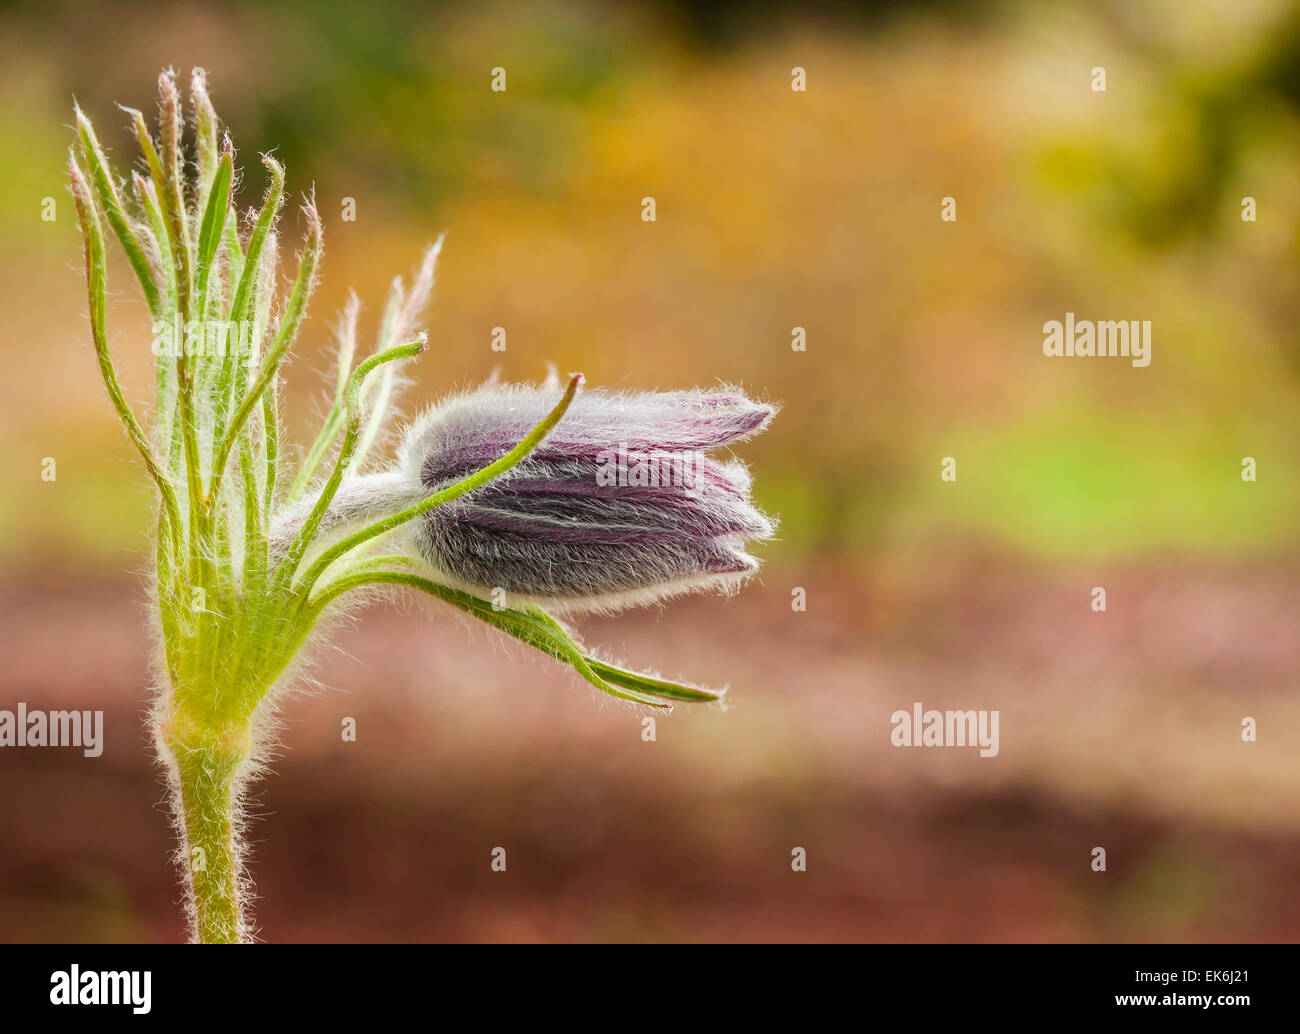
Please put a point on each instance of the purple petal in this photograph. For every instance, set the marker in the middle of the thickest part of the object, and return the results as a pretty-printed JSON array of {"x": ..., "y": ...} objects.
[
  {"x": 470, "y": 431},
  {"x": 619, "y": 501}
]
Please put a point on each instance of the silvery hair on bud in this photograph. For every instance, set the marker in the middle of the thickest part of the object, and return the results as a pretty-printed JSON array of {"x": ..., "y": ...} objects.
[{"x": 558, "y": 529}]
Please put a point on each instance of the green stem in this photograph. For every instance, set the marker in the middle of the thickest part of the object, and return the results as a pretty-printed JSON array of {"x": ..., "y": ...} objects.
[
  {"x": 290, "y": 319},
  {"x": 301, "y": 542},
  {"x": 210, "y": 762}
]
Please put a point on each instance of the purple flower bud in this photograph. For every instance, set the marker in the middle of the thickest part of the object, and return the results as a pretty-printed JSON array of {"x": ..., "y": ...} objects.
[{"x": 619, "y": 505}]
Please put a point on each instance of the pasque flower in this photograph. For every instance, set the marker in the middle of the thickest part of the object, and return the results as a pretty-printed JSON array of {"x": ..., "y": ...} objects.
[
  {"x": 508, "y": 503},
  {"x": 619, "y": 505}
]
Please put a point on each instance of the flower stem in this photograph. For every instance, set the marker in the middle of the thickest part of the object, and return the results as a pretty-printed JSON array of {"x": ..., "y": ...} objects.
[{"x": 210, "y": 766}]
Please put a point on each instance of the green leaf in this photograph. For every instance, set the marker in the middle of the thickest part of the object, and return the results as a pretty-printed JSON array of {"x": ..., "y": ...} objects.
[
  {"x": 213, "y": 227},
  {"x": 111, "y": 203},
  {"x": 539, "y": 630}
]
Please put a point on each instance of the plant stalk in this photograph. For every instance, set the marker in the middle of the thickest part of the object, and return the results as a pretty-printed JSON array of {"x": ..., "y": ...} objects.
[{"x": 210, "y": 763}]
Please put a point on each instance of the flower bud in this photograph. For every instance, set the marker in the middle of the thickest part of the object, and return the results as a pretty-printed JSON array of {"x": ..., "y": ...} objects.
[{"x": 619, "y": 505}]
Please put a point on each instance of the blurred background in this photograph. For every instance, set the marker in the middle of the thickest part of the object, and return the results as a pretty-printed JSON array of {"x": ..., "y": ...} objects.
[{"x": 775, "y": 209}]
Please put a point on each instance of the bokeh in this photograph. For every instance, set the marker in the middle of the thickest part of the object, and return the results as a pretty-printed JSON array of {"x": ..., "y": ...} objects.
[{"x": 775, "y": 209}]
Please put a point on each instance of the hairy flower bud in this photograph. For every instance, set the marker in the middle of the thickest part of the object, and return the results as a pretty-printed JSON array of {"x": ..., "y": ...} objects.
[{"x": 618, "y": 506}]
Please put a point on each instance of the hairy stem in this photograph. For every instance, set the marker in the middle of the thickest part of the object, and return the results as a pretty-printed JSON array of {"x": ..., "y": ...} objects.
[{"x": 209, "y": 766}]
